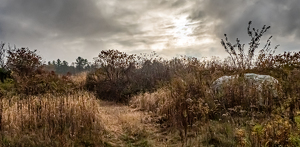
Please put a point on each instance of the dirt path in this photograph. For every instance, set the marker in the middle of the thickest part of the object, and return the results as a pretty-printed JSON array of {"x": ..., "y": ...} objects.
[{"x": 128, "y": 127}]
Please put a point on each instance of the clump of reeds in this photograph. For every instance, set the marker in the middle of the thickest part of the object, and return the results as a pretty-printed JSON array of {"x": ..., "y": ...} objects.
[
  {"x": 79, "y": 79},
  {"x": 48, "y": 120},
  {"x": 152, "y": 102}
]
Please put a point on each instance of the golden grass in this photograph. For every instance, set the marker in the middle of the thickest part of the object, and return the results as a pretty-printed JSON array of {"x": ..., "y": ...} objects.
[
  {"x": 126, "y": 125},
  {"x": 154, "y": 102},
  {"x": 80, "y": 78},
  {"x": 158, "y": 105},
  {"x": 52, "y": 120},
  {"x": 77, "y": 119}
]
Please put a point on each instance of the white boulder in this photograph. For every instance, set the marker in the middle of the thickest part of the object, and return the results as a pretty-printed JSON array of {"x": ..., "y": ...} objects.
[{"x": 261, "y": 84}]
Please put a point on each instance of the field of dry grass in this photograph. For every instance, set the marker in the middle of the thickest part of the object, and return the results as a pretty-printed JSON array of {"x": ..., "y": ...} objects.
[
  {"x": 149, "y": 119},
  {"x": 128, "y": 100},
  {"x": 77, "y": 120},
  {"x": 49, "y": 120}
]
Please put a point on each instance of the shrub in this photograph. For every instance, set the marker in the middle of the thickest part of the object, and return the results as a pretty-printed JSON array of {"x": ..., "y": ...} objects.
[
  {"x": 182, "y": 102},
  {"x": 110, "y": 80},
  {"x": 47, "y": 82},
  {"x": 23, "y": 62},
  {"x": 30, "y": 77},
  {"x": 274, "y": 132},
  {"x": 121, "y": 76}
]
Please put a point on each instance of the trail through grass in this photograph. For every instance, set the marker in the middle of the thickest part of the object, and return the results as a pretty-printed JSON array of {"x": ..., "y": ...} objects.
[{"x": 128, "y": 126}]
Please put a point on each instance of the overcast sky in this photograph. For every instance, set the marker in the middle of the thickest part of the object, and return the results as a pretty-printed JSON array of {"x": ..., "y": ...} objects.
[{"x": 66, "y": 29}]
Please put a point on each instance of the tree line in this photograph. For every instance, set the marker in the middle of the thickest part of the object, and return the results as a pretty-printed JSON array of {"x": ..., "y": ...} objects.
[{"x": 63, "y": 67}]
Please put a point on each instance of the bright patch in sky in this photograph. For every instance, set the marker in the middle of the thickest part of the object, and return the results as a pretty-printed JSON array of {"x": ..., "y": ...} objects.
[
  {"x": 182, "y": 32},
  {"x": 206, "y": 41}
]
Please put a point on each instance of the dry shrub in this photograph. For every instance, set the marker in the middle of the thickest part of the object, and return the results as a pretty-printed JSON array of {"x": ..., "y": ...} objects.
[
  {"x": 273, "y": 132},
  {"x": 240, "y": 137},
  {"x": 79, "y": 79},
  {"x": 284, "y": 67},
  {"x": 188, "y": 100},
  {"x": 176, "y": 106},
  {"x": 30, "y": 77},
  {"x": 71, "y": 120},
  {"x": 44, "y": 82},
  {"x": 121, "y": 76},
  {"x": 220, "y": 134},
  {"x": 152, "y": 102},
  {"x": 240, "y": 96},
  {"x": 111, "y": 80}
]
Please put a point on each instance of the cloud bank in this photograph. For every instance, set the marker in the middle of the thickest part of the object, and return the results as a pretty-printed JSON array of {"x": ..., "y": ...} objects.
[{"x": 67, "y": 29}]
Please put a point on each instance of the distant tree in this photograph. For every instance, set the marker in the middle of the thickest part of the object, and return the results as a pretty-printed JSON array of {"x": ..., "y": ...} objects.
[
  {"x": 65, "y": 67},
  {"x": 72, "y": 68},
  {"x": 81, "y": 63},
  {"x": 58, "y": 62},
  {"x": 50, "y": 67},
  {"x": 88, "y": 67},
  {"x": 65, "y": 63},
  {"x": 53, "y": 63},
  {"x": 59, "y": 68}
]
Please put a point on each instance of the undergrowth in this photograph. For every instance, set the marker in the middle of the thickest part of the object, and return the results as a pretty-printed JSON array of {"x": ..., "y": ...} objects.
[{"x": 41, "y": 108}]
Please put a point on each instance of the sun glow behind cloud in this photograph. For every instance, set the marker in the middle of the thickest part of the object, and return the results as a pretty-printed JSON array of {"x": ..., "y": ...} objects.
[
  {"x": 182, "y": 32},
  {"x": 177, "y": 33}
]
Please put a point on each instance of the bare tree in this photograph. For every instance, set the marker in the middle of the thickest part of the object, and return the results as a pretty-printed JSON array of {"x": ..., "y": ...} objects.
[{"x": 237, "y": 53}]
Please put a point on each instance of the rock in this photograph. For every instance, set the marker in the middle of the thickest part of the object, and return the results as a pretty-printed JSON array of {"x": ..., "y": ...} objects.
[{"x": 261, "y": 84}]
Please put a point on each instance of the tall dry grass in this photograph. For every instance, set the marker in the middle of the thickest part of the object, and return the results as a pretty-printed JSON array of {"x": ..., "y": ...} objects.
[
  {"x": 48, "y": 120},
  {"x": 79, "y": 79}
]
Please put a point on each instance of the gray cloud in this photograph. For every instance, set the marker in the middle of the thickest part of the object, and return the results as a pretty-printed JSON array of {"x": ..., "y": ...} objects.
[
  {"x": 67, "y": 29},
  {"x": 69, "y": 18},
  {"x": 66, "y": 24},
  {"x": 231, "y": 17}
]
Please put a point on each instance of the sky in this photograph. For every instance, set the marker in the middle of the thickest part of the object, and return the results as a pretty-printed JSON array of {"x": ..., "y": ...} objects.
[{"x": 66, "y": 29}]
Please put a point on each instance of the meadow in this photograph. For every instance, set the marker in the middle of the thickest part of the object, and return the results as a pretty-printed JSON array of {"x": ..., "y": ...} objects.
[{"x": 145, "y": 100}]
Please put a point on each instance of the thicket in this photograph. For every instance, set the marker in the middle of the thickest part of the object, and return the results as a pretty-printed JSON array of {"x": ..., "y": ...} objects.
[
  {"x": 38, "y": 107},
  {"x": 189, "y": 105},
  {"x": 120, "y": 76},
  {"x": 23, "y": 72}
]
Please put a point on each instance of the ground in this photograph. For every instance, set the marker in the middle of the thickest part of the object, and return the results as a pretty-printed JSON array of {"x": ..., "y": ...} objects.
[{"x": 130, "y": 127}]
